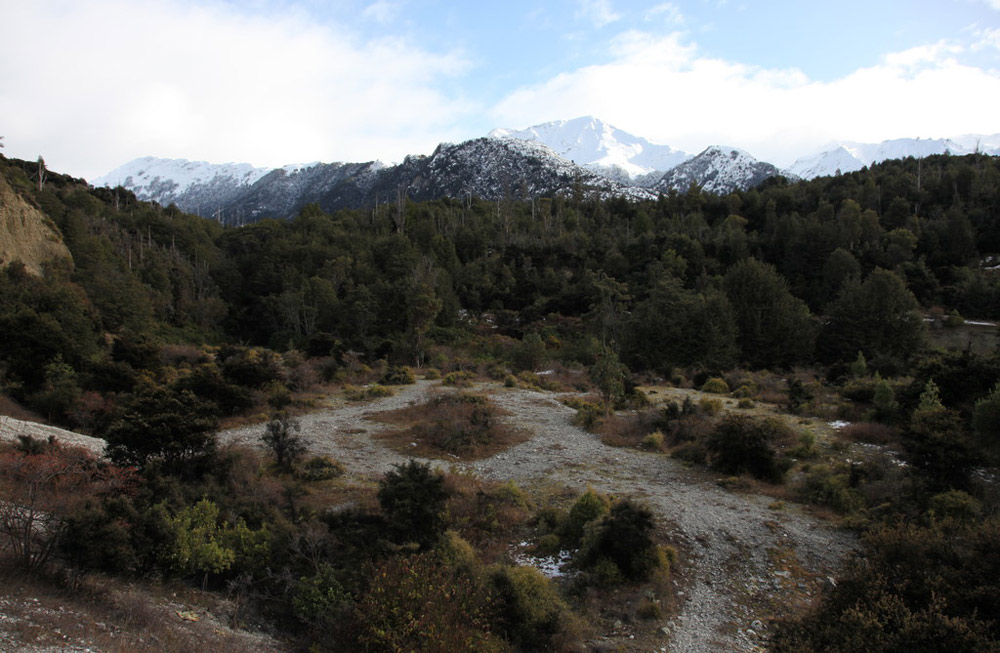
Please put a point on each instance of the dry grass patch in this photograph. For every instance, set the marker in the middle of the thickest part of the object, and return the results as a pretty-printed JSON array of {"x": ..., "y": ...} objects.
[
  {"x": 871, "y": 433},
  {"x": 451, "y": 425}
]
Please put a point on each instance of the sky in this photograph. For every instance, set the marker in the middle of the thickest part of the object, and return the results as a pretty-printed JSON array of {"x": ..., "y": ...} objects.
[{"x": 92, "y": 84}]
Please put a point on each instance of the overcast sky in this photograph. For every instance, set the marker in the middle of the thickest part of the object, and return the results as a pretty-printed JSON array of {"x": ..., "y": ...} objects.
[{"x": 91, "y": 84}]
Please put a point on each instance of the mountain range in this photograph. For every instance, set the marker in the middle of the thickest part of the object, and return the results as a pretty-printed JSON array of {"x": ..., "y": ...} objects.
[{"x": 584, "y": 155}]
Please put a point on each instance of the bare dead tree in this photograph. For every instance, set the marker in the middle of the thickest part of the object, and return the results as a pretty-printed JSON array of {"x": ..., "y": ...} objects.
[{"x": 41, "y": 172}]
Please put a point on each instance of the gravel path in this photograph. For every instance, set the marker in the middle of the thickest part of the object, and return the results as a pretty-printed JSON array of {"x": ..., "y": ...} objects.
[{"x": 745, "y": 560}]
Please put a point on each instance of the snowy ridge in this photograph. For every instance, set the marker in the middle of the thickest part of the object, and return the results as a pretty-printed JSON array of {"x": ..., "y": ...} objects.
[
  {"x": 718, "y": 170},
  {"x": 580, "y": 156},
  {"x": 174, "y": 177},
  {"x": 196, "y": 186},
  {"x": 596, "y": 145},
  {"x": 850, "y": 156}
]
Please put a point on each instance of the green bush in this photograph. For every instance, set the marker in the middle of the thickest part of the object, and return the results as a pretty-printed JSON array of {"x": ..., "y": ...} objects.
[
  {"x": 528, "y": 610},
  {"x": 826, "y": 486},
  {"x": 320, "y": 468},
  {"x": 911, "y": 588},
  {"x": 374, "y": 391},
  {"x": 320, "y": 598},
  {"x": 743, "y": 444},
  {"x": 398, "y": 375},
  {"x": 955, "y": 504},
  {"x": 588, "y": 415},
  {"x": 432, "y": 374},
  {"x": 460, "y": 379},
  {"x": 716, "y": 385},
  {"x": 412, "y": 497},
  {"x": 709, "y": 406},
  {"x": 653, "y": 441},
  {"x": 623, "y": 537},
  {"x": 588, "y": 507}
]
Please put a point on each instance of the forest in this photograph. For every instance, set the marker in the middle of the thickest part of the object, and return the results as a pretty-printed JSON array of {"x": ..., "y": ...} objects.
[{"x": 843, "y": 297}]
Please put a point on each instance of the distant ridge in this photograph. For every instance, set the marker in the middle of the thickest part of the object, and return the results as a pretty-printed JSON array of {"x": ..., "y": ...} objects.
[{"x": 555, "y": 158}]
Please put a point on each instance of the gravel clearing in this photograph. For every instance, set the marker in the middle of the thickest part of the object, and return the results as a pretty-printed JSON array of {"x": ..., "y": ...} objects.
[{"x": 745, "y": 561}]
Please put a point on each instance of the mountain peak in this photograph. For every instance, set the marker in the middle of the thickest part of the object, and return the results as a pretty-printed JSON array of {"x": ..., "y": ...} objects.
[
  {"x": 599, "y": 146},
  {"x": 718, "y": 169}
]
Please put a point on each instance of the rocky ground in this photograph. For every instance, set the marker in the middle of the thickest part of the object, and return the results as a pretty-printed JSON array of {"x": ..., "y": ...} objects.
[{"x": 746, "y": 557}]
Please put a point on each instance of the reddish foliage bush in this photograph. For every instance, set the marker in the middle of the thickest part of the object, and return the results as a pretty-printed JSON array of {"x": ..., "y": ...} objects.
[{"x": 38, "y": 491}]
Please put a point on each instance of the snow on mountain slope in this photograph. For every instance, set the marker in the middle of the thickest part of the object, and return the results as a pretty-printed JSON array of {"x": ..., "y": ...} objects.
[
  {"x": 718, "y": 170},
  {"x": 166, "y": 178},
  {"x": 832, "y": 162},
  {"x": 850, "y": 156},
  {"x": 599, "y": 146}
]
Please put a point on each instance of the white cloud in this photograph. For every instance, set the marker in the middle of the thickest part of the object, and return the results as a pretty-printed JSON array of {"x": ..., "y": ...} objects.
[
  {"x": 669, "y": 13},
  {"x": 986, "y": 38},
  {"x": 383, "y": 11},
  {"x": 599, "y": 12},
  {"x": 661, "y": 87},
  {"x": 112, "y": 80},
  {"x": 993, "y": 4}
]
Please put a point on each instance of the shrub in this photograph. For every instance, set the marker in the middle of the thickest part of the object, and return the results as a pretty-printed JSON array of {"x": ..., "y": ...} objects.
[
  {"x": 742, "y": 444},
  {"x": 398, "y": 375},
  {"x": 509, "y": 381},
  {"x": 693, "y": 452},
  {"x": 419, "y": 603},
  {"x": 320, "y": 468},
  {"x": 653, "y": 441},
  {"x": 806, "y": 448},
  {"x": 320, "y": 601},
  {"x": 374, "y": 391},
  {"x": 459, "y": 379},
  {"x": 412, "y": 498},
  {"x": 710, "y": 406},
  {"x": 249, "y": 367},
  {"x": 624, "y": 538},
  {"x": 912, "y": 588},
  {"x": 588, "y": 507},
  {"x": 955, "y": 504},
  {"x": 870, "y": 432},
  {"x": 745, "y": 391},
  {"x": 745, "y": 404},
  {"x": 432, "y": 374},
  {"x": 825, "y": 486},
  {"x": 716, "y": 385},
  {"x": 279, "y": 396},
  {"x": 588, "y": 415},
  {"x": 282, "y": 439},
  {"x": 528, "y": 610}
]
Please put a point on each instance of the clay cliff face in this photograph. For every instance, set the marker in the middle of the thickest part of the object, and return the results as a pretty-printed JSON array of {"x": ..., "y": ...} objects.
[{"x": 26, "y": 234}]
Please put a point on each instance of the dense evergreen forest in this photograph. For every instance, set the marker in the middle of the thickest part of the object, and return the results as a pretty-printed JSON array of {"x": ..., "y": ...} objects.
[{"x": 165, "y": 323}]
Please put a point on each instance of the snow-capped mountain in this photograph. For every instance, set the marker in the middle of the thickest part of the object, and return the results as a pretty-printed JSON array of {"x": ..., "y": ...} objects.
[
  {"x": 717, "y": 170},
  {"x": 196, "y": 186},
  {"x": 848, "y": 156},
  {"x": 596, "y": 145},
  {"x": 564, "y": 157},
  {"x": 490, "y": 168}
]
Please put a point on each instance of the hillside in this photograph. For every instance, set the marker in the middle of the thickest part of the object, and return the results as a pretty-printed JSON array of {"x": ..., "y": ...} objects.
[{"x": 26, "y": 234}]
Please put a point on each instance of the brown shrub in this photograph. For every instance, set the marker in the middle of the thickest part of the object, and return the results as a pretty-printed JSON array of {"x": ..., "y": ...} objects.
[
  {"x": 451, "y": 424},
  {"x": 870, "y": 432},
  {"x": 626, "y": 430}
]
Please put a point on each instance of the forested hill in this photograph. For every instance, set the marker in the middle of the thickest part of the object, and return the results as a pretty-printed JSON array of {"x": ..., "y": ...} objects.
[{"x": 690, "y": 280}]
